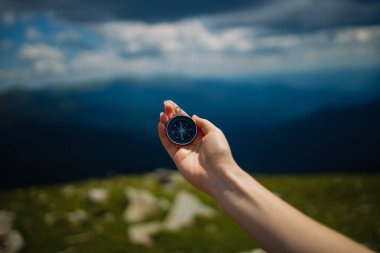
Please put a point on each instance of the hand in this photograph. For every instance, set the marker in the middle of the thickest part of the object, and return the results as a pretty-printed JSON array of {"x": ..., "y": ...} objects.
[
  {"x": 202, "y": 161},
  {"x": 207, "y": 163}
]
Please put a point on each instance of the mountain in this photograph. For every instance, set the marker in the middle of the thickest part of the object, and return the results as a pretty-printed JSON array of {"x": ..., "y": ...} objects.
[
  {"x": 43, "y": 152},
  {"x": 333, "y": 139},
  {"x": 132, "y": 105},
  {"x": 55, "y": 135}
]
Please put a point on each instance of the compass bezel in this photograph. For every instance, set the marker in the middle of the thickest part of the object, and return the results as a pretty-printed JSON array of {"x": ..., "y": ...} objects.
[{"x": 177, "y": 118}]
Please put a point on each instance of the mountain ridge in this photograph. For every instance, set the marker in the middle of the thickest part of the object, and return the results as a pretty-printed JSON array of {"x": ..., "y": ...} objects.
[{"x": 49, "y": 137}]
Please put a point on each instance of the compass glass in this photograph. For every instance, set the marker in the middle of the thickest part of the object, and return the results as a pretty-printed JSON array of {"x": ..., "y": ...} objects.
[{"x": 181, "y": 130}]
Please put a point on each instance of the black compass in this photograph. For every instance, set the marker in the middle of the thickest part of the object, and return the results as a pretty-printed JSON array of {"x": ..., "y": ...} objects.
[{"x": 181, "y": 130}]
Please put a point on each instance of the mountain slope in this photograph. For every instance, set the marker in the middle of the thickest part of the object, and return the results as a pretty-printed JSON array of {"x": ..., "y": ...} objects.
[
  {"x": 50, "y": 136},
  {"x": 333, "y": 139}
]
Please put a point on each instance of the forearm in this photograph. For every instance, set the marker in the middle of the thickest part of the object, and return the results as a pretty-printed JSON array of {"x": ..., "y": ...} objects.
[{"x": 274, "y": 224}]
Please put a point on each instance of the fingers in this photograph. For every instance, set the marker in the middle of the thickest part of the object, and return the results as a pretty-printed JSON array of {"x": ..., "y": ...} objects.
[
  {"x": 205, "y": 125},
  {"x": 170, "y": 147},
  {"x": 170, "y": 108},
  {"x": 170, "y": 111},
  {"x": 164, "y": 119}
]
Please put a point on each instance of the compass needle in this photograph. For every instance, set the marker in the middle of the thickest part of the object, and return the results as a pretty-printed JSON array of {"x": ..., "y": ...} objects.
[{"x": 181, "y": 129}]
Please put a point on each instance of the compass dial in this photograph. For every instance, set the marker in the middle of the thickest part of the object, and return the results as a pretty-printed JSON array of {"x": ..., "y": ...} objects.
[{"x": 181, "y": 130}]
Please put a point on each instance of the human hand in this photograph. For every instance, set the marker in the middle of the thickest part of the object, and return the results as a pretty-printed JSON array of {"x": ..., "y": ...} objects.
[
  {"x": 207, "y": 163},
  {"x": 204, "y": 160}
]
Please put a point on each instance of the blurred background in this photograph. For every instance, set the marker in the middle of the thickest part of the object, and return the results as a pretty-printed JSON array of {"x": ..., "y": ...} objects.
[{"x": 295, "y": 86}]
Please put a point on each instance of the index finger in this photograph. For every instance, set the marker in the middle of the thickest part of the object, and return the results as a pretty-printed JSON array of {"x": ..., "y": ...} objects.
[{"x": 170, "y": 108}]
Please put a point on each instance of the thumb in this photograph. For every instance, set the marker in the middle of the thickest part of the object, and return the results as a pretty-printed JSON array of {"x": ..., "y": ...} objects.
[{"x": 205, "y": 125}]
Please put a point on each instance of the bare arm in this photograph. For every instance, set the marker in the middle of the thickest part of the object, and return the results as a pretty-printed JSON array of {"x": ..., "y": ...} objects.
[
  {"x": 208, "y": 164},
  {"x": 274, "y": 224}
]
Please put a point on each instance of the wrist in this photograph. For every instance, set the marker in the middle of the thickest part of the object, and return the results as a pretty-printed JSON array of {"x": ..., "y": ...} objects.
[
  {"x": 232, "y": 185},
  {"x": 224, "y": 180}
]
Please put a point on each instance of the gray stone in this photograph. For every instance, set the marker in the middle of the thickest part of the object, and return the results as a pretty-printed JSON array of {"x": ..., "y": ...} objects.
[
  {"x": 254, "y": 251},
  {"x": 142, "y": 204},
  {"x": 185, "y": 209},
  {"x": 97, "y": 195},
  {"x": 68, "y": 191},
  {"x": 76, "y": 217},
  {"x": 170, "y": 180},
  {"x": 12, "y": 242},
  {"x": 142, "y": 233},
  {"x": 6, "y": 220}
]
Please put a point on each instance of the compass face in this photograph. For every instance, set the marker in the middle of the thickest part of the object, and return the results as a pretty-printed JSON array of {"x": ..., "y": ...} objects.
[{"x": 181, "y": 130}]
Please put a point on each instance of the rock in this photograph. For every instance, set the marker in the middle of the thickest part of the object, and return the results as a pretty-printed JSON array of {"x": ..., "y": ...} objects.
[
  {"x": 97, "y": 195},
  {"x": 142, "y": 204},
  {"x": 49, "y": 218},
  {"x": 185, "y": 209},
  {"x": 164, "y": 176},
  {"x": 76, "y": 217},
  {"x": 142, "y": 233},
  {"x": 6, "y": 220},
  {"x": 254, "y": 251},
  {"x": 68, "y": 191},
  {"x": 170, "y": 180},
  {"x": 12, "y": 242}
]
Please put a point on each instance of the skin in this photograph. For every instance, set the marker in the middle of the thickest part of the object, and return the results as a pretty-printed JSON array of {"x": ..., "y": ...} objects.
[{"x": 207, "y": 163}]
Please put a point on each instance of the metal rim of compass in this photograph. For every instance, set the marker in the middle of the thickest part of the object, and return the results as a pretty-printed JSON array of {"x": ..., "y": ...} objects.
[{"x": 178, "y": 143}]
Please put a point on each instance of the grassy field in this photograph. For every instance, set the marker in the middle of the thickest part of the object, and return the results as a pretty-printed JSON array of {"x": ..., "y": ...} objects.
[{"x": 349, "y": 204}]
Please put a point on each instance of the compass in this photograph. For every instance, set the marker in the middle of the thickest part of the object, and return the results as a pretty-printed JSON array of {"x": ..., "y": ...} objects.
[{"x": 181, "y": 129}]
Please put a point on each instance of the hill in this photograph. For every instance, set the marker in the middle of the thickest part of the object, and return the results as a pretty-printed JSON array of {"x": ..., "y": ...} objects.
[
  {"x": 333, "y": 139},
  {"x": 62, "y": 218},
  {"x": 57, "y": 135}
]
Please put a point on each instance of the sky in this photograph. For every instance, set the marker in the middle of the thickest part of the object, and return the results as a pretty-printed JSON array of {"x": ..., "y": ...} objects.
[{"x": 73, "y": 41}]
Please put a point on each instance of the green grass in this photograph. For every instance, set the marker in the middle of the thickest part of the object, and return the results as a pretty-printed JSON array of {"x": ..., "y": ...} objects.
[{"x": 349, "y": 204}]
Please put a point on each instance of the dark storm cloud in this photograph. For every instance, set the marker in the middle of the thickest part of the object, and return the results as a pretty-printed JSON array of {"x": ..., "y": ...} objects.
[
  {"x": 139, "y": 10},
  {"x": 277, "y": 15},
  {"x": 305, "y": 15}
]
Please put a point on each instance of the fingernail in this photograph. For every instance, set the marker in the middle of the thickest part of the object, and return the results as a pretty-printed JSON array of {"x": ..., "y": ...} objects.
[
  {"x": 167, "y": 101},
  {"x": 161, "y": 113}
]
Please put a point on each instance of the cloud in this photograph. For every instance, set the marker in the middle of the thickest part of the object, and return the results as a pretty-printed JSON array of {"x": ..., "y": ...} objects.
[
  {"x": 296, "y": 16},
  {"x": 72, "y": 39},
  {"x": 137, "y": 10},
  {"x": 40, "y": 51},
  {"x": 32, "y": 33},
  {"x": 277, "y": 15},
  {"x": 108, "y": 64},
  {"x": 6, "y": 44},
  {"x": 224, "y": 45},
  {"x": 49, "y": 65},
  {"x": 190, "y": 48},
  {"x": 184, "y": 37},
  {"x": 359, "y": 35},
  {"x": 8, "y": 18},
  {"x": 44, "y": 58}
]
